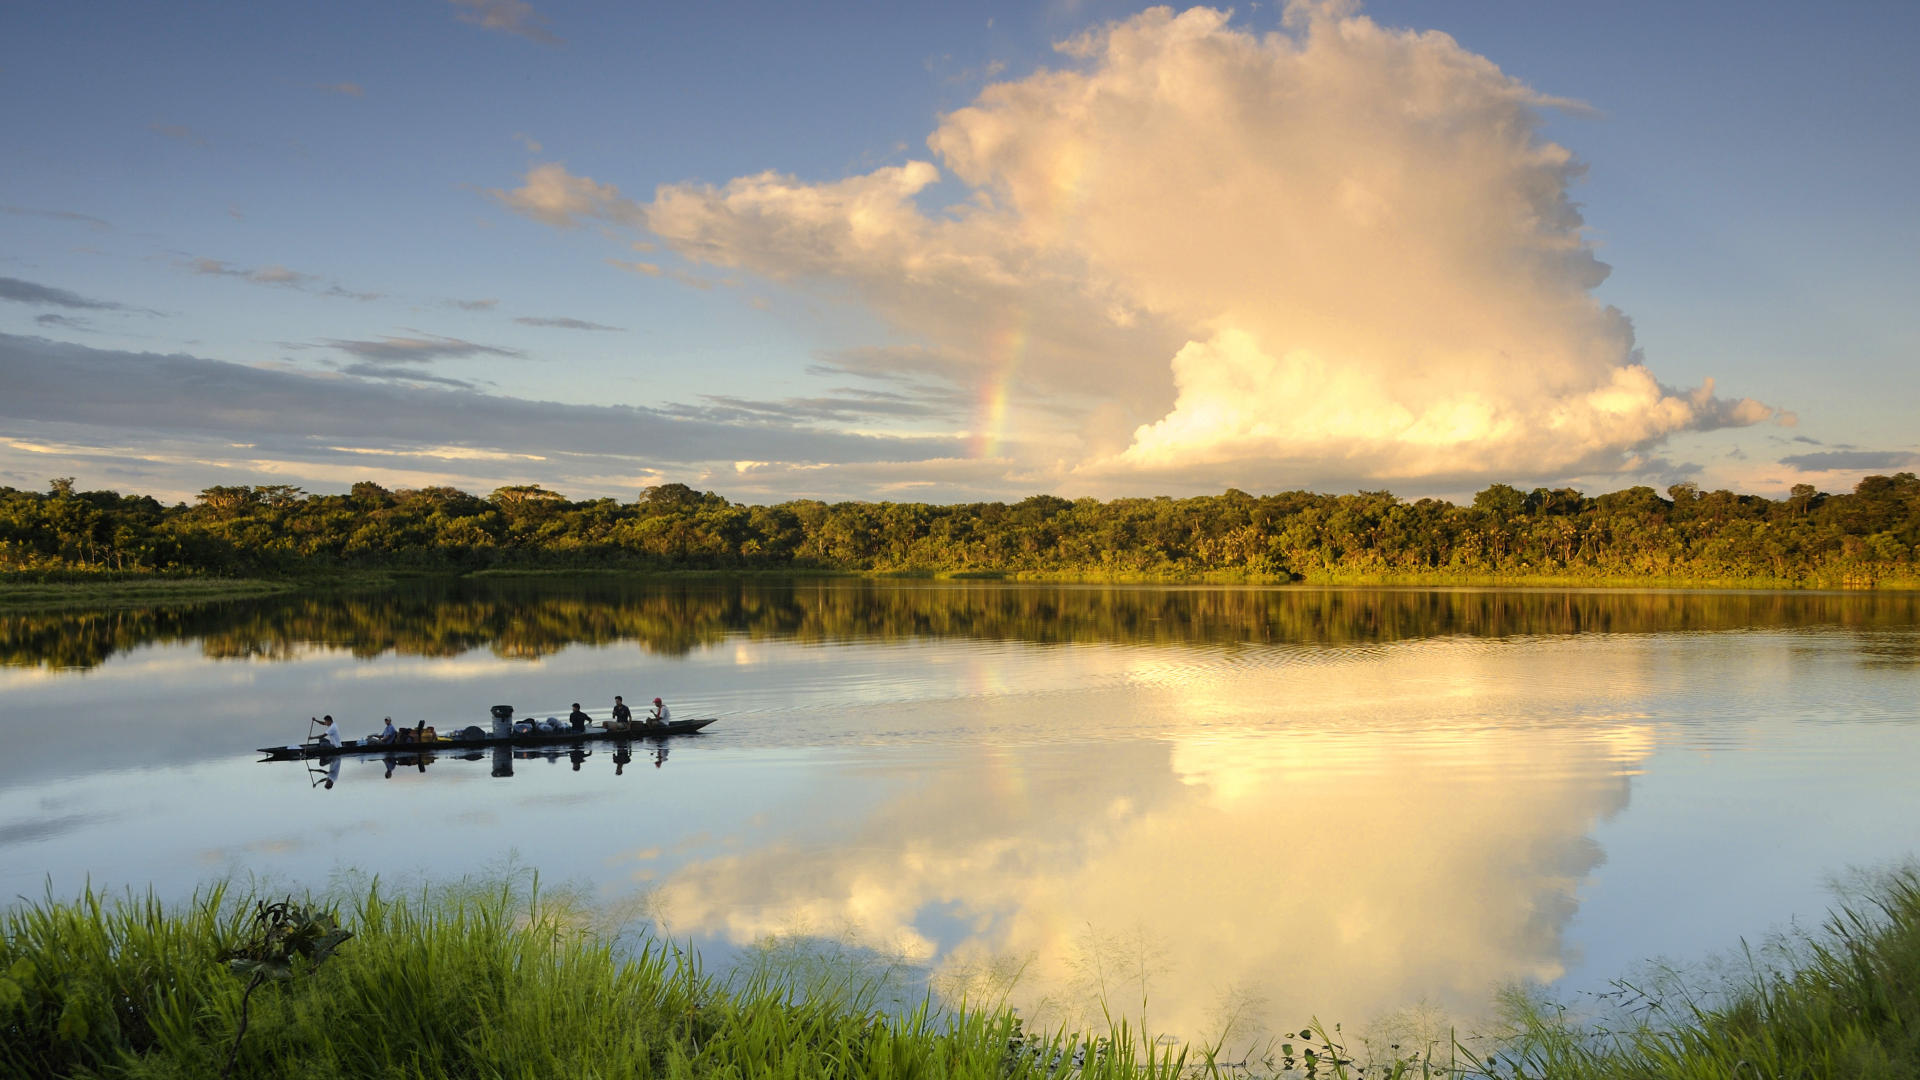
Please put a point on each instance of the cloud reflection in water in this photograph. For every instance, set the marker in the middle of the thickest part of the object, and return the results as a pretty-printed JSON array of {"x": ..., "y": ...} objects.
[{"x": 1300, "y": 867}]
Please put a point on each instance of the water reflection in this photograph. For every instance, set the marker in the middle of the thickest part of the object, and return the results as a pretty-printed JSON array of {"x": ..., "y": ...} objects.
[
  {"x": 1275, "y": 878},
  {"x": 325, "y": 774},
  {"x": 530, "y": 620},
  {"x": 1274, "y": 803}
]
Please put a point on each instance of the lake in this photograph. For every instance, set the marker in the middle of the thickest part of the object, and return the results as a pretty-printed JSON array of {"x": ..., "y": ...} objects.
[{"x": 1372, "y": 806}]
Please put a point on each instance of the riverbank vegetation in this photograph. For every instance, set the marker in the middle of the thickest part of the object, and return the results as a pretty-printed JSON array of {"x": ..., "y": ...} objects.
[
  {"x": 39, "y": 591},
  {"x": 495, "y": 982},
  {"x": 1846, "y": 1006},
  {"x": 1861, "y": 539},
  {"x": 465, "y": 983}
]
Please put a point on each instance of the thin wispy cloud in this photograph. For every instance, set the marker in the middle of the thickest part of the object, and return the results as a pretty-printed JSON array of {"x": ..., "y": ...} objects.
[
  {"x": 397, "y": 373},
  {"x": 346, "y": 89},
  {"x": 294, "y": 414},
  {"x": 62, "y": 322},
  {"x": 474, "y": 305},
  {"x": 692, "y": 281},
  {"x": 920, "y": 366},
  {"x": 264, "y": 275},
  {"x": 275, "y": 275},
  {"x": 1850, "y": 460},
  {"x": 507, "y": 17},
  {"x": 845, "y": 405},
  {"x": 422, "y": 349},
  {"x": 97, "y": 224},
  {"x": 566, "y": 324},
  {"x": 179, "y": 132},
  {"x": 28, "y": 292}
]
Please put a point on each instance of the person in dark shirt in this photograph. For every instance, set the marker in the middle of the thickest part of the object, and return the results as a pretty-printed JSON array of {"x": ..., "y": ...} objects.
[
  {"x": 577, "y": 718},
  {"x": 622, "y": 716}
]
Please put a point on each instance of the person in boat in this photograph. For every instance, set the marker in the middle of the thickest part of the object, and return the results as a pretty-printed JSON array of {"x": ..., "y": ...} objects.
[
  {"x": 389, "y": 733},
  {"x": 331, "y": 733},
  {"x": 658, "y": 715},
  {"x": 577, "y": 718},
  {"x": 622, "y": 716}
]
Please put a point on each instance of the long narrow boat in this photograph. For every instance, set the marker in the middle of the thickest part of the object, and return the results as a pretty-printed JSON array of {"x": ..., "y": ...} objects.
[{"x": 632, "y": 733}]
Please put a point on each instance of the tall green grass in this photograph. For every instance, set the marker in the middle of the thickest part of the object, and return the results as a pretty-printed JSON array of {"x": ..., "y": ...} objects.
[
  {"x": 1847, "y": 1005},
  {"x": 454, "y": 982},
  {"x": 499, "y": 981}
]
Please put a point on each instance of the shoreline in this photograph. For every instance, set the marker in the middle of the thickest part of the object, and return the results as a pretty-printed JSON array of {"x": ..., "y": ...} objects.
[{"x": 143, "y": 590}]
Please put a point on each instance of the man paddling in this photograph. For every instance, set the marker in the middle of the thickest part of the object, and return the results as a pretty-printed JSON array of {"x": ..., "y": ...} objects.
[
  {"x": 658, "y": 717},
  {"x": 578, "y": 719},
  {"x": 331, "y": 735}
]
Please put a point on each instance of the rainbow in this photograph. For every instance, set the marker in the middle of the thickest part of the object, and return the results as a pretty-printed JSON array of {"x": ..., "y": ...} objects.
[
  {"x": 1054, "y": 207},
  {"x": 1005, "y": 351}
]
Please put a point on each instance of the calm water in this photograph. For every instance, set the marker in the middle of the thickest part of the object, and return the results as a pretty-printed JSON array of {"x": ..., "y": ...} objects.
[{"x": 1350, "y": 804}]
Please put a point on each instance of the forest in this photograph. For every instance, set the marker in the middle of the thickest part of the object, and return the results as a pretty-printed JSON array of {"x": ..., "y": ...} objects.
[{"x": 1860, "y": 539}]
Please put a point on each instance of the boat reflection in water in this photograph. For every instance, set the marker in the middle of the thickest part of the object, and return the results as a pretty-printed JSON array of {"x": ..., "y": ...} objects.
[
  {"x": 576, "y": 754},
  {"x": 325, "y": 776}
]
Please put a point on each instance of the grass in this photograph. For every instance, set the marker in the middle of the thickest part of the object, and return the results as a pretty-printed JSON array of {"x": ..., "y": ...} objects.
[
  {"x": 1847, "y": 1006},
  {"x": 40, "y": 591},
  {"x": 464, "y": 982},
  {"x": 1442, "y": 578},
  {"x": 644, "y": 573},
  {"x": 135, "y": 591},
  {"x": 55, "y": 591},
  {"x": 498, "y": 981}
]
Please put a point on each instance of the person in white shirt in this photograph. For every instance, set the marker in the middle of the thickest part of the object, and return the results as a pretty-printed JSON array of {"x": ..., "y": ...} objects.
[
  {"x": 332, "y": 733},
  {"x": 658, "y": 714}
]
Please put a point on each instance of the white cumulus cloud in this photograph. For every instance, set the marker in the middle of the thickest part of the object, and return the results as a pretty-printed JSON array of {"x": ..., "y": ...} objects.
[{"x": 1335, "y": 251}]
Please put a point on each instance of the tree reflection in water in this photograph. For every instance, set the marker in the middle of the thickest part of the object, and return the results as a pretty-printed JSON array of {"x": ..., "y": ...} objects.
[{"x": 539, "y": 617}]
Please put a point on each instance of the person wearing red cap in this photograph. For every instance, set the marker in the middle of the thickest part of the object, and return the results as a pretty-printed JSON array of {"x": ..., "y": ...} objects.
[{"x": 658, "y": 714}]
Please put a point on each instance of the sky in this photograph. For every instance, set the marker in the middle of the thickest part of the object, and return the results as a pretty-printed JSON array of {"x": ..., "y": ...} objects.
[{"x": 956, "y": 252}]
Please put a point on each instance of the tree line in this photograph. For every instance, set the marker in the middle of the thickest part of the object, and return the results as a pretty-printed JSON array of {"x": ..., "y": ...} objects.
[{"x": 1861, "y": 538}]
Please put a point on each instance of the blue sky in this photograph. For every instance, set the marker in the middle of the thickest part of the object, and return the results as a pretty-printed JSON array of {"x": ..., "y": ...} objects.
[{"x": 604, "y": 246}]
